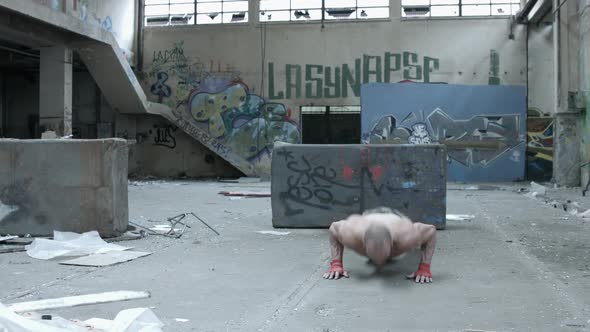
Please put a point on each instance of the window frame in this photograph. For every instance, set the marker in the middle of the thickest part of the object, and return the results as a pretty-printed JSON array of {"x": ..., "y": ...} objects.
[
  {"x": 192, "y": 17},
  {"x": 324, "y": 16},
  {"x": 460, "y": 4}
]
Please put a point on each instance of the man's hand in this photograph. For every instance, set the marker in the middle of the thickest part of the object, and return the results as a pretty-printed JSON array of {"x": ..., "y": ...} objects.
[
  {"x": 336, "y": 270},
  {"x": 423, "y": 274}
]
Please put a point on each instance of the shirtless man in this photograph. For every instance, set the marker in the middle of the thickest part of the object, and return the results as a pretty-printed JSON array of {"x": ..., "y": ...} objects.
[{"x": 381, "y": 235}]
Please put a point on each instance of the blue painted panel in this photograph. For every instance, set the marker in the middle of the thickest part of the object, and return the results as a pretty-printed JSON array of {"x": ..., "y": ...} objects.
[{"x": 484, "y": 127}]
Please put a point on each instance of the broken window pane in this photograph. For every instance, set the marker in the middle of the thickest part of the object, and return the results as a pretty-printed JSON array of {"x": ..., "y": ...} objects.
[
  {"x": 372, "y": 3},
  {"x": 306, "y": 15},
  {"x": 237, "y": 17},
  {"x": 501, "y": 10},
  {"x": 306, "y": 4},
  {"x": 275, "y": 16},
  {"x": 444, "y": 11},
  {"x": 211, "y": 18},
  {"x": 371, "y": 12},
  {"x": 476, "y": 10}
]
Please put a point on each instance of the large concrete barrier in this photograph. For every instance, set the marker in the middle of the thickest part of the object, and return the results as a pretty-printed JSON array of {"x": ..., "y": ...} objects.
[
  {"x": 315, "y": 185},
  {"x": 64, "y": 185}
]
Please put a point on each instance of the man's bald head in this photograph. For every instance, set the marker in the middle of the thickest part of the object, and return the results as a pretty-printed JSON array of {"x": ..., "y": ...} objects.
[{"x": 378, "y": 243}]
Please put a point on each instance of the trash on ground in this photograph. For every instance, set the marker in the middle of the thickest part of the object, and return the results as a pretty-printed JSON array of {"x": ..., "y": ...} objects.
[
  {"x": 70, "y": 244},
  {"x": 273, "y": 232},
  {"x": 107, "y": 258},
  {"x": 74, "y": 301},
  {"x": 460, "y": 217},
  {"x": 7, "y": 249},
  {"x": 130, "y": 320},
  {"x": 164, "y": 229},
  {"x": 244, "y": 193},
  {"x": 171, "y": 231},
  {"x": 537, "y": 188},
  {"x": 136, "y": 320},
  {"x": 585, "y": 214},
  {"x": 8, "y": 237},
  {"x": 241, "y": 180}
]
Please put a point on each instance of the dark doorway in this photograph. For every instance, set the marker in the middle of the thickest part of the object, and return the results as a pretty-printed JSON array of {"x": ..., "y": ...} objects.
[{"x": 331, "y": 124}]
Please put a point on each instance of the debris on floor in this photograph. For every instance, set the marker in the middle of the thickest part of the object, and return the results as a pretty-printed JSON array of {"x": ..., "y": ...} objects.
[
  {"x": 8, "y": 238},
  {"x": 107, "y": 258},
  {"x": 23, "y": 317},
  {"x": 273, "y": 232},
  {"x": 75, "y": 301},
  {"x": 70, "y": 244},
  {"x": 460, "y": 217},
  {"x": 241, "y": 180},
  {"x": 244, "y": 193},
  {"x": 171, "y": 230},
  {"x": 537, "y": 189}
]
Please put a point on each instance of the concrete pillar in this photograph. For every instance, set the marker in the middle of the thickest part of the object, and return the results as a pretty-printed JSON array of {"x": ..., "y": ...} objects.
[
  {"x": 584, "y": 56},
  {"x": 567, "y": 128},
  {"x": 55, "y": 95},
  {"x": 566, "y": 154}
]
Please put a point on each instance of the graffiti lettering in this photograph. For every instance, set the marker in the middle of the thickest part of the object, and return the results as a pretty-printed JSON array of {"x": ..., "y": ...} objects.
[
  {"x": 175, "y": 54},
  {"x": 164, "y": 137},
  {"x": 327, "y": 82},
  {"x": 322, "y": 188},
  {"x": 478, "y": 140}
]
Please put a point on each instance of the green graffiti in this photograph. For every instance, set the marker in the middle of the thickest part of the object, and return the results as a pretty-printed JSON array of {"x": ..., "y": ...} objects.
[
  {"x": 311, "y": 80},
  {"x": 430, "y": 65},
  {"x": 349, "y": 81},
  {"x": 271, "y": 83},
  {"x": 367, "y": 72},
  {"x": 332, "y": 84},
  {"x": 293, "y": 85},
  {"x": 494, "y": 68},
  {"x": 412, "y": 71},
  {"x": 343, "y": 81},
  {"x": 388, "y": 68}
]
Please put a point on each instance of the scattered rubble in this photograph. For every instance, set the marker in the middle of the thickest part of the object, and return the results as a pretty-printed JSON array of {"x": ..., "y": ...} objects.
[
  {"x": 70, "y": 244},
  {"x": 23, "y": 317},
  {"x": 273, "y": 232},
  {"x": 460, "y": 217},
  {"x": 244, "y": 194}
]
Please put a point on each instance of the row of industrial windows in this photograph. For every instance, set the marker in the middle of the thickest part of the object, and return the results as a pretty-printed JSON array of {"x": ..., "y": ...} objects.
[{"x": 183, "y": 12}]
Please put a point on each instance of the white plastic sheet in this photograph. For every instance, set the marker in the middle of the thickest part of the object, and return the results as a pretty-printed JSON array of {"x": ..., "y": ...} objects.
[
  {"x": 70, "y": 244},
  {"x": 130, "y": 320}
]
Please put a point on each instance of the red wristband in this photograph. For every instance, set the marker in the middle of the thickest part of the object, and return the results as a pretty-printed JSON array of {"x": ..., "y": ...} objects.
[
  {"x": 424, "y": 270},
  {"x": 336, "y": 262}
]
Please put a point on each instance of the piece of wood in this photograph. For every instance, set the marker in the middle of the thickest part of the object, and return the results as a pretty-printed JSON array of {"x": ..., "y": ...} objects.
[
  {"x": 106, "y": 259},
  {"x": 74, "y": 301},
  {"x": 7, "y": 238},
  {"x": 244, "y": 194},
  {"x": 11, "y": 249}
]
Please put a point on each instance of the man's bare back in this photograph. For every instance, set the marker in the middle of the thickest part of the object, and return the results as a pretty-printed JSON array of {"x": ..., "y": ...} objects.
[{"x": 381, "y": 236}]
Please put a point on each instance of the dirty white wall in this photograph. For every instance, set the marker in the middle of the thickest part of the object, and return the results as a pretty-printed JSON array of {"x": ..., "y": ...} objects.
[
  {"x": 297, "y": 64},
  {"x": 540, "y": 68},
  {"x": 116, "y": 16}
]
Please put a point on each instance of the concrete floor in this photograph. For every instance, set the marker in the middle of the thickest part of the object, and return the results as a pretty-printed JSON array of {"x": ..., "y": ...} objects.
[{"x": 519, "y": 266}]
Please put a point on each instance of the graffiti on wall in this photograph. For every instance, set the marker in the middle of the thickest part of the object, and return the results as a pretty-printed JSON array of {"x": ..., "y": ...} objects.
[
  {"x": 539, "y": 145},
  {"x": 485, "y": 140},
  {"x": 164, "y": 135},
  {"x": 214, "y": 105},
  {"x": 476, "y": 141},
  {"x": 312, "y": 81},
  {"x": 315, "y": 185}
]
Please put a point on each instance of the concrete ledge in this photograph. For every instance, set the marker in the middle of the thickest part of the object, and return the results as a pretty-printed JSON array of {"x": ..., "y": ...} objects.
[
  {"x": 64, "y": 185},
  {"x": 315, "y": 185}
]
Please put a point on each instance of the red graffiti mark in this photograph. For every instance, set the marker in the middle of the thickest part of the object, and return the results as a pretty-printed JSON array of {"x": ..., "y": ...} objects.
[
  {"x": 347, "y": 172},
  {"x": 376, "y": 171}
]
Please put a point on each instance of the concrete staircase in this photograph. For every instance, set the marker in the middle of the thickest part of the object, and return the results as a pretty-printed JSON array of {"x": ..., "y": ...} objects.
[{"x": 109, "y": 67}]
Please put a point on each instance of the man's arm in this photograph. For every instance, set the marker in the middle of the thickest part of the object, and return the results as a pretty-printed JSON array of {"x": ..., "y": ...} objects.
[
  {"x": 427, "y": 240},
  {"x": 337, "y": 249}
]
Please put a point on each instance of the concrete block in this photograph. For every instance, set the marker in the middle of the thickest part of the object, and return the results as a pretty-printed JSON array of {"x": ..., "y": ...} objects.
[
  {"x": 315, "y": 185},
  {"x": 63, "y": 185}
]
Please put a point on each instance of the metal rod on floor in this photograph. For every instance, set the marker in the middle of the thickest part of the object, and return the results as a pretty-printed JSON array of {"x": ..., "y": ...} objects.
[{"x": 201, "y": 220}]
